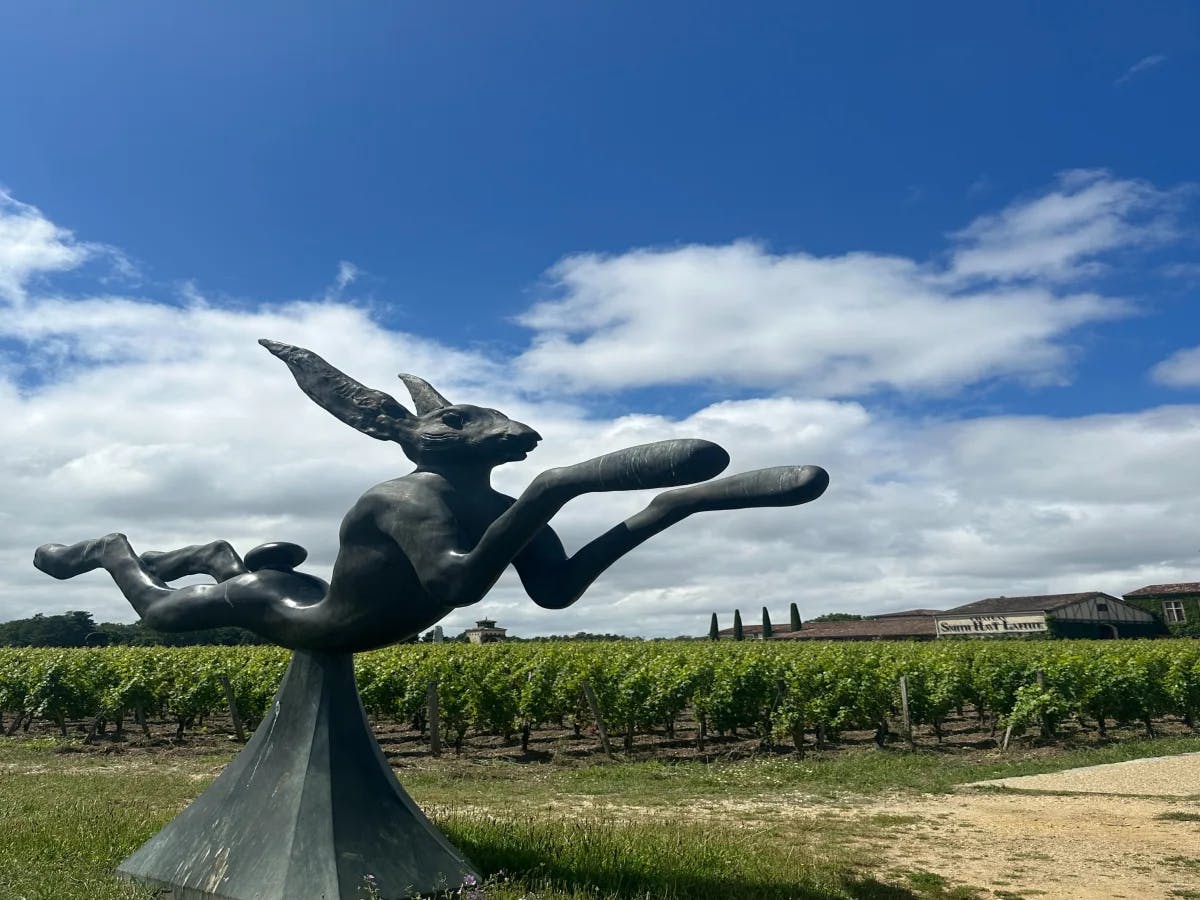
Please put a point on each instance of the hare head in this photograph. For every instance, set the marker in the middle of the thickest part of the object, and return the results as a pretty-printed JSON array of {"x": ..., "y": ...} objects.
[
  {"x": 437, "y": 432},
  {"x": 459, "y": 432}
]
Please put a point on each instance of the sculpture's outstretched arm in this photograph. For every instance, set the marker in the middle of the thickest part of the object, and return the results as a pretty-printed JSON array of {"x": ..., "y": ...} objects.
[
  {"x": 554, "y": 581},
  {"x": 462, "y": 578}
]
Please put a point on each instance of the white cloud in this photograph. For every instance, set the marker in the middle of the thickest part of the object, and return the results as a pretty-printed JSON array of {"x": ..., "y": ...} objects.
[
  {"x": 1002, "y": 304},
  {"x": 170, "y": 423},
  {"x": 1060, "y": 235},
  {"x": 31, "y": 245},
  {"x": 1180, "y": 369},
  {"x": 835, "y": 326},
  {"x": 347, "y": 274},
  {"x": 1146, "y": 62},
  {"x": 929, "y": 515},
  {"x": 221, "y": 444}
]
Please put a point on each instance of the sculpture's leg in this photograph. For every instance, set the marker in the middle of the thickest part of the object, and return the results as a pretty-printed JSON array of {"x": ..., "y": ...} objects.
[
  {"x": 160, "y": 606},
  {"x": 111, "y": 553},
  {"x": 555, "y": 584},
  {"x": 64, "y": 561},
  {"x": 276, "y": 603},
  {"x": 217, "y": 559},
  {"x": 307, "y": 810}
]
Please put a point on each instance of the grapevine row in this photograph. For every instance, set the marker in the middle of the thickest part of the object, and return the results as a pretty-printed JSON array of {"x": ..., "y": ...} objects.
[{"x": 775, "y": 690}]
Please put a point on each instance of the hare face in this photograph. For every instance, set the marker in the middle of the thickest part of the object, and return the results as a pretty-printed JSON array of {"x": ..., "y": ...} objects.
[
  {"x": 469, "y": 434},
  {"x": 440, "y": 432}
]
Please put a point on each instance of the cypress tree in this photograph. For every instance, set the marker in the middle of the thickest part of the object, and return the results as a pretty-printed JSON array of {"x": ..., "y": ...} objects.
[
  {"x": 738, "y": 634},
  {"x": 795, "y": 615},
  {"x": 767, "y": 631},
  {"x": 714, "y": 632}
]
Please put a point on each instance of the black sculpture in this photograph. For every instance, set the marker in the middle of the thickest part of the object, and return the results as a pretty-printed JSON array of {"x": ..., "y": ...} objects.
[{"x": 411, "y": 550}]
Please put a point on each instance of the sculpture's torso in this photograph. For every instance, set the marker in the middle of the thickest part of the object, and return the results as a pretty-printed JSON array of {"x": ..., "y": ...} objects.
[{"x": 376, "y": 597}]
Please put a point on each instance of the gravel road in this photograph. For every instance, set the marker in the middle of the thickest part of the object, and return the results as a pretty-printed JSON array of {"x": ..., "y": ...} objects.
[
  {"x": 1158, "y": 776},
  {"x": 1122, "y": 831}
]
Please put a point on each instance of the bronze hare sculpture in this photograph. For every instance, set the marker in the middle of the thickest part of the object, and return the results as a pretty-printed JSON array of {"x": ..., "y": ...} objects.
[{"x": 416, "y": 547}]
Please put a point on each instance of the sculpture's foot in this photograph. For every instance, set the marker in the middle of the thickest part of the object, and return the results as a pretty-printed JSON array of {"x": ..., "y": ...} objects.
[
  {"x": 778, "y": 486},
  {"x": 216, "y": 558},
  {"x": 64, "y": 561},
  {"x": 784, "y": 485}
]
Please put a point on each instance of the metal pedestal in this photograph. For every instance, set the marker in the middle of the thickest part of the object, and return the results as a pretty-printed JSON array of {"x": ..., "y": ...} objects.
[{"x": 306, "y": 811}]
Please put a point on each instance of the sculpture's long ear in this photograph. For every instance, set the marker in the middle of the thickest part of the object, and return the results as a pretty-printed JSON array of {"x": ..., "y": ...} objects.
[
  {"x": 372, "y": 412},
  {"x": 425, "y": 398}
]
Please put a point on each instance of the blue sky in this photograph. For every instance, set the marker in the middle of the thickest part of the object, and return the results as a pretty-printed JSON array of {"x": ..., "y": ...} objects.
[{"x": 947, "y": 224}]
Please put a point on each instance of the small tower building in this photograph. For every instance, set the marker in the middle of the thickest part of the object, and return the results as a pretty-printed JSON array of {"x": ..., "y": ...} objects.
[{"x": 486, "y": 632}]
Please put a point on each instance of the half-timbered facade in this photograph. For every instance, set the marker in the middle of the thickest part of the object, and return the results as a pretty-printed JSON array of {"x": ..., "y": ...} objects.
[{"x": 1092, "y": 614}]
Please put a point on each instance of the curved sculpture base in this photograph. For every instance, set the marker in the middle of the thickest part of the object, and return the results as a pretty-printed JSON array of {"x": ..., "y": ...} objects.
[{"x": 306, "y": 811}]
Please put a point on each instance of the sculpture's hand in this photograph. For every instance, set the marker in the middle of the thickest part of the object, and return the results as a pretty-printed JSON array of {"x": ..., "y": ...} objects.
[{"x": 655, "y": 465}]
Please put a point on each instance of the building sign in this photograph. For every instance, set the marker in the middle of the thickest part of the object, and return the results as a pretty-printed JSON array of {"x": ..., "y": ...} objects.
[{"x": 1019, "y": 624}]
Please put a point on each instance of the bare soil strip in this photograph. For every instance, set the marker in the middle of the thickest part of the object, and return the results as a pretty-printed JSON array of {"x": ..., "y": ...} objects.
[
  {"x": 1122, "y": 830},
  {"x": 1160, "y": 776},
  {"x": 1070, "y": 847},
  {"x": 1125, "y": 830}
]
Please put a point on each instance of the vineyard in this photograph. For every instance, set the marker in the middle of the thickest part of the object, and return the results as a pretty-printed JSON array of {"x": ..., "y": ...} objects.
[{"x": 778, "y": 693}]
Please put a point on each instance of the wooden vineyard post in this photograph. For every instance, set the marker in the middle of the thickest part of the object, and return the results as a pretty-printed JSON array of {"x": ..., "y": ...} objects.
[
  {"x": 139, "y": 716},
  {"x": 594, "y": 706},
  {"x": 435, "y": 727},
  {"x": 906, "y": 720},
  {"x": 1043, "y": 720},
  {"x": 234, "y": 714},
  {"x": 1007, "y": 737}
]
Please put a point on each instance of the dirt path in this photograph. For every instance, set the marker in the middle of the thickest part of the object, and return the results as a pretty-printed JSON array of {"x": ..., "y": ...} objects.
[
  {"x": 1127, "y": 830},
  {"x": 1047, "y": 845}
]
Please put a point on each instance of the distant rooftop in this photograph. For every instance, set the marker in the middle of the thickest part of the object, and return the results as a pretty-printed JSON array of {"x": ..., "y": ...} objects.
[
  {"x": 907, "y": 623},
  {"x": 914, "y": 624},
  {"x": 755, "y": 629},
  {"x": 1040, "y": 602},
  {"x": 1154, "y": 590}
]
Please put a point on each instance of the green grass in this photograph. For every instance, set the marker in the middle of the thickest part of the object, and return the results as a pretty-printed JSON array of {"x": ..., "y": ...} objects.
[
  {"x": 936, "y": 887},
  {"x": 624, "y": 859},
  {"x": 64, "y": 834},
  {"x": 1179, "y": 817},
  {"x": 1187, "y": 863},
  {"x": 602, "y": 832},
  {"x": 859, "y": 773}
]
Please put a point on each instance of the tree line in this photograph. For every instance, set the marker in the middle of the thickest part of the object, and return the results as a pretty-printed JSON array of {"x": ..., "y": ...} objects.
[{"x": 80, "y": 629}]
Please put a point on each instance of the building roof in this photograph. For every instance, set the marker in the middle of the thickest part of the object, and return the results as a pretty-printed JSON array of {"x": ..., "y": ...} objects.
[
  {"x": 487, "y": 625},
  {"x": 755, "y": 629},
  {"x": 1038, "y": 603},
  {"x": 907, "y": 623},
  {"x": 893, "y": 625},
  {"x": 1154, "y": 590}
]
